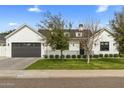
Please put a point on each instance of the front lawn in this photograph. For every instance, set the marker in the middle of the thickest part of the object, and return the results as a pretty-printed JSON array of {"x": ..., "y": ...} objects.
[{"x": 77, "y": 64}]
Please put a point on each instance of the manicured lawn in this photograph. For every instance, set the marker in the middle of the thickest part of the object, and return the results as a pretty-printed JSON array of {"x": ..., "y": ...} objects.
[{"x": 77, "y": 64}]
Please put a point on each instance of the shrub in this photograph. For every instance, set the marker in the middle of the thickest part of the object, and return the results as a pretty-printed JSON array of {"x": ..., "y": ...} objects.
[
  {"x": 91, "y": 56},
  {"x": 110, "y": 55},
  {"x": 95, "y": 56},
  {"x": 73, "y": 56},
  {"x": 63, "y": 56},
  {"x": 78, "y": 56},
  {"x": 116, "y": 55},
  {"x": 56, "y": 56},
  {"x": 84, "y": 56},
  {"x": 106, "y": 55},
  {"x": 51, "y": 56},
  {"x": 68, "y": 56},
  {"x": 121, "y": 55},
  {"x": 100, "y": 55},
  {"x": 45, "y": 56}
]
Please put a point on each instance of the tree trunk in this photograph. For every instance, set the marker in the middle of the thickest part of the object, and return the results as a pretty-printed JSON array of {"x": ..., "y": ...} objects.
[
  {"x": 88, "y": 58},
  {"x": 61, "y": 53}
]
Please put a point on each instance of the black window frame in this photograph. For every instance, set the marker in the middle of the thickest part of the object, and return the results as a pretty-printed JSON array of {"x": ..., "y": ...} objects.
[
  {"x": 103, "y": 46},
  {"x": 67, "y": 34}
]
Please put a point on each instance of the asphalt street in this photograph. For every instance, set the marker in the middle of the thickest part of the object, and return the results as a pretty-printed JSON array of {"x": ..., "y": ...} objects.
[{"x": 95, "y": 82}]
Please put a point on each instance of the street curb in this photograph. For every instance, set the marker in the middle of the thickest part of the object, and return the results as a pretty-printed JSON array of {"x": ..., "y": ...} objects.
[{"x": 60, "y": 73}]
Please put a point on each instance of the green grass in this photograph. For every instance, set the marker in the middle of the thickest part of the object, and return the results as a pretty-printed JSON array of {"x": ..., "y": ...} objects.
[{"x": 77, "y": 64}]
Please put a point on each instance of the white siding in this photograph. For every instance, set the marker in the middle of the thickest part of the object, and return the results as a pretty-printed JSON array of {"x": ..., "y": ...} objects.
[
  {"x": 105, "y": 37},
  {"x": 27, "y": 35},
  {"x": 73, "y": 50},
  {"x": 23, "y": 35},
  {"x": 74, "y": 46}
]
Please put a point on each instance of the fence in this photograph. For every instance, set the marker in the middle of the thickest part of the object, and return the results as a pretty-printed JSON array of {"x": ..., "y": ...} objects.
[
  {"x": 2, "y": 51},
  {"x": 65, "y": 52}
]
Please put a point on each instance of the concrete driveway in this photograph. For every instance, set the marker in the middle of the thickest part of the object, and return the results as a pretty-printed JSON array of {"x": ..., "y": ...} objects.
[{"x": 15, "y": 63}]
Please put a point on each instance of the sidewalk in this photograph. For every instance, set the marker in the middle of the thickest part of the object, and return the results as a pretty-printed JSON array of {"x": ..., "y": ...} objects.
[{"x": 60, "y": 73}]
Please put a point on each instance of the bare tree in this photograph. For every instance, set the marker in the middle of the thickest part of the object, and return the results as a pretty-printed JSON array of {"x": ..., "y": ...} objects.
[{"x": 90, "y": 37}]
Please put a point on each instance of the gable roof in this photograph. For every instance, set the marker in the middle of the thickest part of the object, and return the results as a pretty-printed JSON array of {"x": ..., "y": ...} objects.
[
  {"x": 46, "y": 33},
  {"x": 22, "y": 26},
  {"x": 104, "y": 29}
]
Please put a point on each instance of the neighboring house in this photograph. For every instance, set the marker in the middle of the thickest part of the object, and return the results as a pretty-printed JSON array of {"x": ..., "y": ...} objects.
[
  {"x": 27, "y": 42},
  {"x": 2, "y": 40},
  {"x": 2, "y": 46}
]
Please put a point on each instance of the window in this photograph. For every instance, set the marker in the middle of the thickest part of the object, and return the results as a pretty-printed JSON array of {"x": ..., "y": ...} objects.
[
  {"x": 66, "y": 34},
  {"x": 78, "y": 34},
  {"x": 73, "y": 44},
  {"x": 43, "y": 44},
  {"x": 104, "y": 46},
  {"x": 26, "y": 44}
]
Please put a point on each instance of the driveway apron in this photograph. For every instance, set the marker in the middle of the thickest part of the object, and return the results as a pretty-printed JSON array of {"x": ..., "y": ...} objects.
[{"x": 15, "y": 63}]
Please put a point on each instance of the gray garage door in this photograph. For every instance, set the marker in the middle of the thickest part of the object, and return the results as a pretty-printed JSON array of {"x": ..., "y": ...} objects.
[{"x": 26, "y": 49}]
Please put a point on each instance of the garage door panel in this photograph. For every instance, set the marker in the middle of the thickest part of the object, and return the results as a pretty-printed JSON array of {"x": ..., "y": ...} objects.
[{"x": 26, "y": 49}]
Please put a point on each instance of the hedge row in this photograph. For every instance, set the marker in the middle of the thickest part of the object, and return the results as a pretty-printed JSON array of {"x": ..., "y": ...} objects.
[{"x": 83, "y": 56}]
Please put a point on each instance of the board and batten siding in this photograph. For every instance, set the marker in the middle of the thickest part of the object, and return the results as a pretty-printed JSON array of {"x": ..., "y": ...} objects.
[
  {"x": 74, "y": 45},
  {"x": 25, "y": 34},
  {"x": 105, "y": 37}
]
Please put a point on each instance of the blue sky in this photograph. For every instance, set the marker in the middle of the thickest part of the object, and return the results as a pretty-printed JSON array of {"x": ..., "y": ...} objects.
[{"x": 13, "y": 16}]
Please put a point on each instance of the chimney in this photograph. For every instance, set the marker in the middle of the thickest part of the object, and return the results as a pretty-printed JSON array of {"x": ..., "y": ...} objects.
[{"x": 80, "y": 27}]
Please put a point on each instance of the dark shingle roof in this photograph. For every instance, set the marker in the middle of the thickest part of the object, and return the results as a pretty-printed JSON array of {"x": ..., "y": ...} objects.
[{"x": 71, "y": 32}]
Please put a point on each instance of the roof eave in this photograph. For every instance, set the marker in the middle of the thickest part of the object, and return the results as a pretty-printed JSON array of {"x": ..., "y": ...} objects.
[{"x": 9, "y": 35}]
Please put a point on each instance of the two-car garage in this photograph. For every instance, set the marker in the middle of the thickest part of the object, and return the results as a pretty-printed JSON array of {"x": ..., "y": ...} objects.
[
  {"x": 26, "y": 49},
  {"x": 25, "y": 42}
]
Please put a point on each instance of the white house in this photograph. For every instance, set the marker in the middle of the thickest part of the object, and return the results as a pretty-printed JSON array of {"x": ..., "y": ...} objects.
[{"x": 27, "y": 42}]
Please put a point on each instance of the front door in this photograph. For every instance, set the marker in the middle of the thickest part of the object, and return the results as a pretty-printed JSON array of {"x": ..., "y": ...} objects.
[{"x": 81, "y": 49}]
